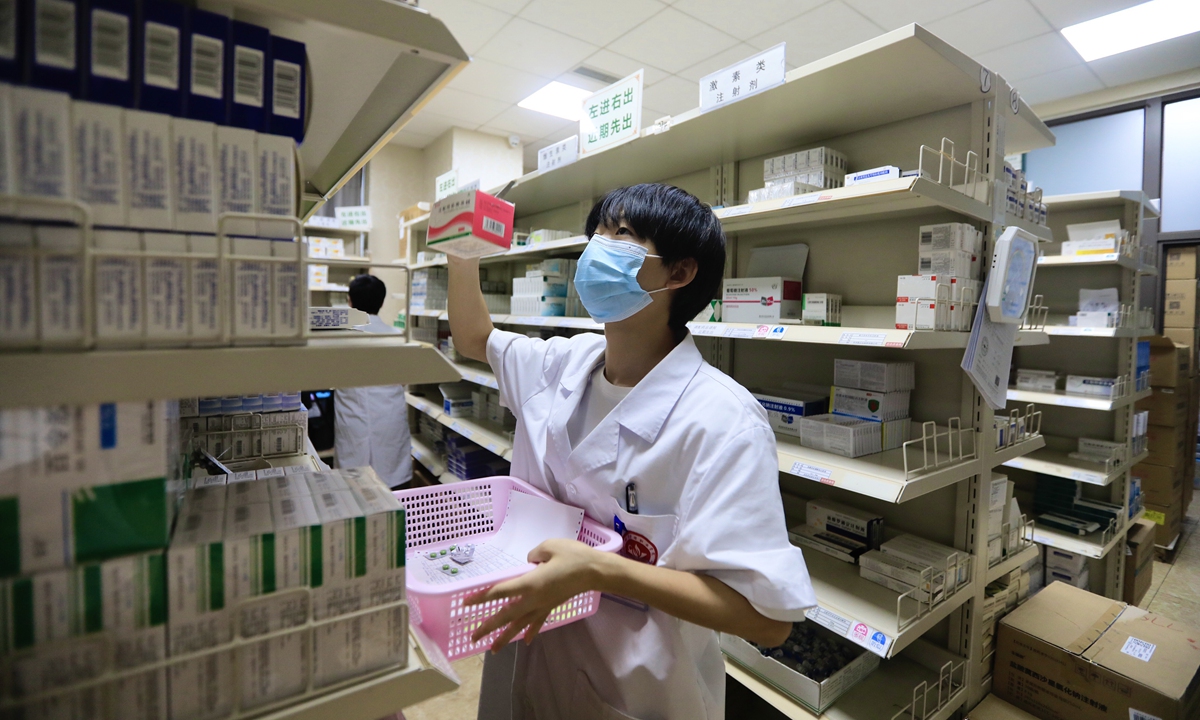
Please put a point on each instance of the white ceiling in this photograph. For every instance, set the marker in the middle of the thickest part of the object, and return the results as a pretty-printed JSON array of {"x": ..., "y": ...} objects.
[{"x": 517, "y": 46}]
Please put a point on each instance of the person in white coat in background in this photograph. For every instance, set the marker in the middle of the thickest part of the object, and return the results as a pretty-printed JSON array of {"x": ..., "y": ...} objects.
[
  {"x": 371, "y": 423},
  {"x": 637, "y": 429}
]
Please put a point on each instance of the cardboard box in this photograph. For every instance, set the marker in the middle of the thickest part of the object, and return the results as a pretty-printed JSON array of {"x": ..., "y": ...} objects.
[
  {"x": 1067, "y": 654},
  {"x": 1161, "y": 484},
  {"x": 1167, "y": 445},
  {"x": 1168, "y": 405},
  {"x": 1168, "y": 520},
  {"x": 993, "y": 708},
  {"x": 815, "y": 695},
  {"x": 761, "y": 299},
  {"x": 1181, "y": 263},
  {"x": 470, "y": 224},
  {"x": 1139, "y": 554},
  {"x": 1179, "y": 303},
  {"x": 1170, "y": 363}
]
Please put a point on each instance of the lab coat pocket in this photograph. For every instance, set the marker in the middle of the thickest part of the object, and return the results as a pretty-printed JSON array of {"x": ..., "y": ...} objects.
[
  {"x": 586, "y": 703},
  {"x": 646, "y": 537}
]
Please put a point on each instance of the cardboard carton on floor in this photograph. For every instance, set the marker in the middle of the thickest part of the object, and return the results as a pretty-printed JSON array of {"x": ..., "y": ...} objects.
[
  {"x": 1170, "y": 363},
  {"x": 1139, "y": 568},
  {"x": 1167, "y": 405},
  {"x": 1167, "y": 446},
  {"x": 1181, "y": 263},
  {"x": 1067, "y": 654},
  {"x": 1161, "y": 484},
  {"x": 1167, "y": 518},
  {"x": 993, "y": 708}
]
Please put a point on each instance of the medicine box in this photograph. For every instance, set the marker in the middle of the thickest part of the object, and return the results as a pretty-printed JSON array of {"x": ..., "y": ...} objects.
[
  {"x": 539, "y": 286},
  {"x": 906, "y": 315},
  {"x": 927, "y": 553},
  {"x": 957, "y": 263},
  {"x": 902, "y": 576},
  {"x": 147, "y": 151},
  {"x": 60, "y": 284},
  {"x": 1037, "y": 380},
  {"x": 40, "y": 121},
  {"x": 841, "y": 435},
  {"x": 538, "y": 306},
  {"x": 948, "y": 236},
  {"x": 821, "y": 309},
  {"x": 251, "y": 288},
  {"x": 1084, "y": 385},
  {"x": 998, "y": 496},
  {"x": 1080, "y": 580},
  {"x": 287, "y": 290},
  {"x": 881, "y": 377},
  {"x": 194, "y": 175},
  {"x": 869, "y": 405},
  {"x": 97, "y": 163},
  {"x": 470, "y": 224},
  {"x": 360, "y": 644},
  {"x": 910, "y": 288},
  {"x": 118, "y": 297},
  {"x": 782, "y": 411},
  {"x": 1065, "y": 561},
  {"x": 834, "y": 517},
  {"x": 1098, "y": 246},
  {"x": 166, "y": 290},
  {"x": 276, "y": 191},
  {"x": 761, "y": 299},
  {"x": 823, "y": 541},
  {"x": 887, "y": 172},
  {"x": 237, "y": 179}
]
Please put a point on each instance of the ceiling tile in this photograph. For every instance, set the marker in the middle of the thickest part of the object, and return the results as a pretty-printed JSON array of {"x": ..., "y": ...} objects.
[
  {"x": 469, "y": 111},
  {"x": 528, "y": 123},
  {"x": 1164, "y": 58},
  {"x": 471, "y": 23},
  {"x": 620, "y": 66},
  {"x": 674, "y": 95},
  {"x": 891, "y": 14},
  {"x": 598, "y": 25},
  {"x": 672, "y": 41},
  {"x": 1059, "y": 84},
  {"x": 725, "y": 58},
  {"x": 1065, "y": 13},
  {"x": 824, "y": 31},
  {"x": 1032, "y": 57},
  {"x": 990, "y": 25},
  {"x": 499, "y": 82},
  {"x": 557, "y": 135},
  {"x": 745, "y": 18},
  {"x": 535, "y": 49}
]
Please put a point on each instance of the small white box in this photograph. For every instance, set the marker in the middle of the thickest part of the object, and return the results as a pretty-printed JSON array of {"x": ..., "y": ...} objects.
[
  {"x": 236, "y": 177},
  {"x": 841, "y": 435},
  {"x": 951, "y": 263},
  {"x": 18, "y": 312},
  {"x": 276, "y": 191},
  {"x": 99, "y": 164},
  {"x": 1096, "y": 386},
  {"x": 251, "y": 288},
  {"x": 148, "y": 161},
  {"x": 887, "y": 172},
  {"x": 1097, "y": 246},
  {"x": 926, "y": 553},
  {"x": 117, "y": 284},
  {"x": 906, "y": 315},
  {"x": 60, "y": 284},
  {"x": 910, "y": 288},
  {"x": 910, "y": 575},
  {"x": 1037, "y": 381},
  {"x": 194, "y": 176},
  {"x": 166, "y": 288},
  {"x": 41, "y": 145},
  {"x": 359, "y": 645},
  {"x": 821, "y": 309},
  {"x": 204, "y": 289},
  {"x": 933, "y": 315},
  {"x": 1095, "y": 319},
  {"x": 1080, "y": 580},
  {"x": 947, "y": 236},
  {"x": 874, "y": 376},
  {"x": 761, "y": 299},
  {"x": 997, "y": 503},
  {"x": 860, "y": 525},
  {"x": 1065, "y": 561},
  {"x": 869, "y": 405}
]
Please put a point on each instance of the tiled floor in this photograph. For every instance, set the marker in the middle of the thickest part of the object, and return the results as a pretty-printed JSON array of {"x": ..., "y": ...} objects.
[
  {"x": 462, "y": 704},
  {"x": 1175, "y": 589}
]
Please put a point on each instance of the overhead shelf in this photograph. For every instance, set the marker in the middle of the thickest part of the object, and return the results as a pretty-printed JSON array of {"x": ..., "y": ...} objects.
[
  {"x": 845, "y": 599},
  {"x": 477, "y": 373},
  {"x": 888, "y": 337},
  {"x": 427, "y": 457},
  {"x": 1075, "y": 331},
  {"x": 1092, "y": 545},
  {"x": 311, "y": 230},
  {"x": 899, "y": 75},
  {"x": 1018, "y": 449},
  {"x": 1085, "y": 402},
  {"x": 1041, "y": 232},
  {"x": 520, "y": 252},
  {"x": 38, "y": 379},
  {"x": 876, "y": 200},
  {"x": 1093, "y": 200},
  {"x": 1118, "y": 259},
  {"x": 1049, "y": 461},
  {"x": 482, "y": 433},
  {"x": 1012, "y": 562}
]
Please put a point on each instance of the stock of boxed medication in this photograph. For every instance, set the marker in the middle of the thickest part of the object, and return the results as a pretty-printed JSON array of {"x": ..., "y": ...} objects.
[
  {"x": 902, "y": 576},
  {"x": 850, "y": 522},
  {"x": 759, "y": 299},
  {"x": 785, "y": 404},
  {"x": 880, "y": 377},
  {"x": 869, "y": 405},
  {"x": 830, "y": 543},
  {"x": 1037, "y": 380},
  {"x": 470, "y": 224},
  {"x": 824, "y": 309},
  {"x": 919, "y": 551}
]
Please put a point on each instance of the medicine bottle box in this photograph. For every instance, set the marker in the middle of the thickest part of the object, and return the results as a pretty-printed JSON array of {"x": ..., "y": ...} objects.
[
  {"x": 859, "y": 525},
  {"x": 761, "y": 299},
  {"x": 869, "y": 405},
  {"x": 883, "y": 377},
  {"x": 539, "y": 286},
  {"x": 535, "y": 306}
]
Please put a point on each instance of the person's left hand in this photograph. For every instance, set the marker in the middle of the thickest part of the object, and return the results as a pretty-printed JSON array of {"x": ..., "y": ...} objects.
[{"x": 565, "y": 569}]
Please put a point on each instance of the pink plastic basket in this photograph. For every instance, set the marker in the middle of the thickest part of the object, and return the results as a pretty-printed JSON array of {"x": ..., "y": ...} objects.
[{"x": 439, "y": 516}]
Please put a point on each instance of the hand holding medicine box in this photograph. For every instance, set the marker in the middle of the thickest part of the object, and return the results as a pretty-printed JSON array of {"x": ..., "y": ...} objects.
[{"x": 470, "y": 224}]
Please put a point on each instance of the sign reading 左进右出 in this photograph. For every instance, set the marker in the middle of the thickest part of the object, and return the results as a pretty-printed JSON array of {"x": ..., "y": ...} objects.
[
  {"x": 612, "y": 115},
  {"x": 743, "y": 79}
]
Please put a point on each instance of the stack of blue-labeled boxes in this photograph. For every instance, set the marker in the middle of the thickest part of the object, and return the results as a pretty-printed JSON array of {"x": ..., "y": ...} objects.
[{"x": 158, "y": 118}]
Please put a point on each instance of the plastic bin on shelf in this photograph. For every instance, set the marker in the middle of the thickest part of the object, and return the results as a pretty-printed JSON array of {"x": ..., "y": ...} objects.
[{"x": 472, "y": 511}]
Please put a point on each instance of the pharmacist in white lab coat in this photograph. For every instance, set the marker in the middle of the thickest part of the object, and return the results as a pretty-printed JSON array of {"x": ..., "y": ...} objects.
[
  {"x": 371, "y": 423},
  {"x": 635, "y": 428}
]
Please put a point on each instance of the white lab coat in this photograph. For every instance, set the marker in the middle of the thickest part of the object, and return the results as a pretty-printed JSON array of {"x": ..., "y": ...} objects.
[
  {"x": 371, "y": 424},
  {"x": 703, "y": 457}
]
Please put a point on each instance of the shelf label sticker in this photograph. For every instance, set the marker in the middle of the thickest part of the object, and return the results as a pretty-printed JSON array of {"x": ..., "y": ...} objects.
[
  {"x": 1139, "y": 649},
  {"x": 660, "y": 126},
  {"x": 532, "y": 320},
  {"x": 558, "y": 154},
  {"x": 812, "y": 472},
  {"x": 612, "y": 115},
  {"x": 739, "y": 333},
  {"x": 461, "y": 430},
  {"x": 761, "y": 331},
  {"x": 830, "y": 620},
  {"x": 736, "y": 210},
  {"x": 494, "y": 448},
  {"x": 705, "y": 329},
  {"x": 861, "y": 338},
  {"x": 1156, "y": 517},
  {"x": 744, "y": 78},
  {"x": 1087, "y": 477},
  {"x": 807, "y": 199}
]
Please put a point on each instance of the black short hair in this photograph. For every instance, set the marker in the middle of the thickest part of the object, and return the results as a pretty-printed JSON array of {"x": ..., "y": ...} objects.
[
  {"x": 681, "y": 227},
  {"x": 367, "y": 293}
]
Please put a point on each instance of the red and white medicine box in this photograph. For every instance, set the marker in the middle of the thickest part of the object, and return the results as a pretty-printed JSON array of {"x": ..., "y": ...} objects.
[
  {"x": 470, "y": 224},
  {"x": 761, "y": 299}
]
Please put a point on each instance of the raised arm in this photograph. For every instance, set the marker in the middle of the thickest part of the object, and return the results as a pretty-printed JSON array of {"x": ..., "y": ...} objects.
[{"x": 470, "y": 323}]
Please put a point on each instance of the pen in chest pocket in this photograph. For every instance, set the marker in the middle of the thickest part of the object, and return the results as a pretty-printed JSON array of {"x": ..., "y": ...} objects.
[{"x": 631, "y": 501}]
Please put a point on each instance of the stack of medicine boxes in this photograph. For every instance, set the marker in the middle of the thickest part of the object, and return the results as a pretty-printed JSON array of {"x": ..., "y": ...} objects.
[
  {"x": 157, "y": 117},
  {"x": 86, "y": 500},
  {"x": 241, "y": 428},
  {"x": 543, "y": 290},
  {"x": 943, "y": 293},
  {"x": 868, "y": 406},
  {"x": 263, "y": 552},
  {"x": 801, "y": 172},
  {"x": 1023, "y": 200},
  {"x": 430, "y": 289}
]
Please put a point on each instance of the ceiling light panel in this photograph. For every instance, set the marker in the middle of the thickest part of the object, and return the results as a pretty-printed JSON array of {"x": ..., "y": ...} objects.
[
  {"x": 1135, "y": 27},
  {"x": 557, "y": 99}
]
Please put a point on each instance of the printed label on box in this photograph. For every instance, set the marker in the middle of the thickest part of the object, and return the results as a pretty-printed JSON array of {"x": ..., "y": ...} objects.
[{"x": 1139, "y": 649}]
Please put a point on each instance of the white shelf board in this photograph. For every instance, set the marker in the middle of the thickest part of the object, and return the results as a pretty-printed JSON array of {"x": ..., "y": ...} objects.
[
  {"x": 879, "y": 476},
  {"x": 523, "y": 252},
  {"x": 1049, "y": 461},
  {"x": 876, "y": 697},
  {"x": 841, "y": 591},
  {"x": 877, "y": 200},
  {"x": 1041, "y": 232},
  {"x": 1085, "y": 402},
  {"x": 576, "y": 323},
  {"x": 311, "y": 230},
  {"x": 899, "y": 75},
  {"x": 889, "y": 337},
  {"x": 1012, "y": 562},
  {"x": 350, "y": 360},
  {"x": 351, "y": 263},
  {"x": 1104, "y": 198},
  {"x": 1124, "y": 261},
  {"x": 486, "y": 435},
  {"x": 376, "y": 697},
  {"x": 1069, "y": 331},
  {"x": 1018, "y": 449},
  {"x": 477, "y": 373},
  {"x": 1088, "y": 545},
  {"x": 425, "y": 454}
]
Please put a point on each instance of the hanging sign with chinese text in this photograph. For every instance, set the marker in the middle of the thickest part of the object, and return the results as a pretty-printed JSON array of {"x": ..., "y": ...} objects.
[
  {"x": 612, "y": 115},
  {"x": 743, "y": 79},
  {"x": 558, "y": 154}
]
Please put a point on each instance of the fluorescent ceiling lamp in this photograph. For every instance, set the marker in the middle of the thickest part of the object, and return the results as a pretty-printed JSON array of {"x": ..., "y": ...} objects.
[
  {"x": 1134, "y": 27},
  {"x": 558, "y": 99}
]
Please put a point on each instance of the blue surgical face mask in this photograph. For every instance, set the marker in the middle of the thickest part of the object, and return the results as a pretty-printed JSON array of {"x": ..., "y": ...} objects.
[{"x": 606, "y": 279}]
